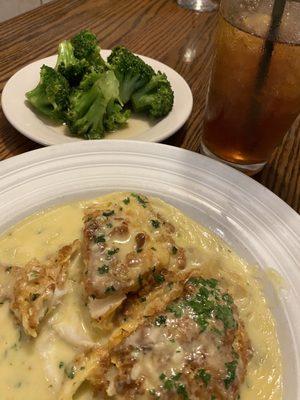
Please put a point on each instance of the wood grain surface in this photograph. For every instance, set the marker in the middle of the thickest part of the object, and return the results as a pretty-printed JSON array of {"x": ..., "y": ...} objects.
[{"x": 160, "y": 29}]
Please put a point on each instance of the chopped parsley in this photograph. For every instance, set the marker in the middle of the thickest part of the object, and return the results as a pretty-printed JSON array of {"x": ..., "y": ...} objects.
[
  {"x": 103, "y": 270},
  {"x": 109, "y": 225},
  {"x": 108, "y": 213},
  {"x": 168, "y": 384},
  {"x": 174, "y": 250},
  {"x": 160, "y": 320},
  {"x": 227, "y": 298},
  {"x": 34, "y": 296},
  {"x": 224, "y": 314},
  {"x": 126, "y": 201},
  {"x": 176, "y": 376},
  {"x": 159, "y": 278},
  {"x": 231, "y": 372},
  {"x": 61, "y": 364},
  {"x": 204, "y": 376},
  {"x": 140, "y": 200},
  {"x": 155, "y": 223},
  {"x": 70, "y": 372},
  {"x": 110, "y": 289},
  {"x": 175, "y": 309},
  {"x": 33, "y": 275},
  {"x": 181, "y": 390},
  {"x": 139, "y": 249},
  {"x": 100, "y": 238},
  {"x": 172, "y": 383},
  {"x": 111, "y": 252},
  {"x": 209, "y": 303},
  {"x": 142, "y": 299}
]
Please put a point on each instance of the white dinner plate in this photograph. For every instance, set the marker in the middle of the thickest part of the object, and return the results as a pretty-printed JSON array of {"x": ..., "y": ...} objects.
[
  {"x": 252, "y": 220},
  {"x": 43, "y": 131}
]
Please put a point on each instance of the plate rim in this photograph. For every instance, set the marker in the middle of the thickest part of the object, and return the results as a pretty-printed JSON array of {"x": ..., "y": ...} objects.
[
  {"x": 54, "y": 150},
  {"x": 75, "y": 156},
  {"x": 166, "y": 133}
]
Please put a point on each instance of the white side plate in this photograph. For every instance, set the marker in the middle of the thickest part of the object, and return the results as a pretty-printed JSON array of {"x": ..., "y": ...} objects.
[
  {"x": 43, "y": 131},
  {"x": 251, "y": 219}
]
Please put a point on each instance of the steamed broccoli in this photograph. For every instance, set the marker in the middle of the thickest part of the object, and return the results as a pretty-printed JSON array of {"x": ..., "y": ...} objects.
[
  {"x": 94, "y": 106},
  {"x": 132, "y": 72},
  {"x": 68, "y": 65},
  {"x": 155, "y": 98},
  {"x": 86, "y": 47},
  {"x": 115, "y": 116},
  {"x": 51, "y": 96}
]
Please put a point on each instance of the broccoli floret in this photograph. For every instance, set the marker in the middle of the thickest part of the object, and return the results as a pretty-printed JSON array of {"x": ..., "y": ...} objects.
[
  {"x": 115, "y": 117},
  {"x": 92, "y": 106},
  {"x": 132, "y": 72},
  {"x": 156, "y": 98},
  {"x": 86, "y": 47},
  {"x": 51, "y": 96},
  {"x": 68, "y": 65}
]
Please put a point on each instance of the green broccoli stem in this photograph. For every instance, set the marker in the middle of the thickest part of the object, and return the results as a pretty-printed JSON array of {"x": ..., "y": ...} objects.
[
  {"x": 91, "y": 124},
  {"x": 38, "y": 98},
  {"x": 65, "y": 54}
]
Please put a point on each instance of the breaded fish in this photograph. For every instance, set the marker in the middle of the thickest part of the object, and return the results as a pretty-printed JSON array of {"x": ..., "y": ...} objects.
[
  {"x": 124, "y": 245},
  {"x": 194, "y": 347},
  {"x": 38, "y": 287}
]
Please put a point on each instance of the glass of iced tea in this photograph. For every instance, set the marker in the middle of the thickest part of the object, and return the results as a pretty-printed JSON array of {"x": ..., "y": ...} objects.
[{"x": 254, "y": 90}]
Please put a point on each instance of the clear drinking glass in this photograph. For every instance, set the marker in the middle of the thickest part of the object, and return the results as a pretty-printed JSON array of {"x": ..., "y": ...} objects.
[
  {"x": 254, "y": 91},
  {"x": 199, "y": 5}
]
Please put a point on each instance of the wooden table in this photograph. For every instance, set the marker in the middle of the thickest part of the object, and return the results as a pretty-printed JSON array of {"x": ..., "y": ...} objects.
[{"x": 156, "y": 28}]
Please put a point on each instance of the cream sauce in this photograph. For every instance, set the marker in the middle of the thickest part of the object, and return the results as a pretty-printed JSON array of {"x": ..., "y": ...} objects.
[{"x": 27, "y": 364}]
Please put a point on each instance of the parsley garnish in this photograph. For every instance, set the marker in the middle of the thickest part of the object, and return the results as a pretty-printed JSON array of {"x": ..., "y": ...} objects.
[
  {"x": 34, "y": 296},
  {"x": 204, "y": 376},
  {"x": 110, "y": 289},
  {"x": 209, "y": 303},
  {"x": 111, "y": 252},
  {"x": 126, "y": 201},
  {"x": 175, "y": 309},
  {"x": 159, "y": 278},
  {"x": 168, "y": 384},
  {"x": 231, "y": 370},
  {"x": 140, "y": 200},
  {"x": 181, "y": 390},
  {"x": 174, "y": 250},
  {"x": 103, "y": 270},
  {"x": 108, "y": 213},
  {"x": 155, "y": 223},
  {"x": 160, "y": 320},
  {"x": 100, "y": 238},
  {"x": 224, "y": 314},
  {"x": 70, "y": 372}
]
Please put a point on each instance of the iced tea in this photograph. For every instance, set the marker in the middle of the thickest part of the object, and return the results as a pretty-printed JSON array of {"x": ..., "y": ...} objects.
[{"x": 243, "y": 124}]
